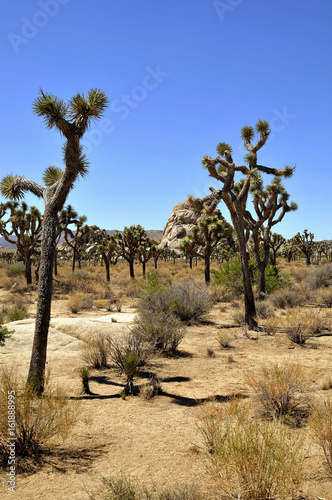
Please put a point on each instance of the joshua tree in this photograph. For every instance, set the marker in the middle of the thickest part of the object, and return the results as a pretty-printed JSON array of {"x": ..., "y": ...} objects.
[
  {"x": 71, "y": 120},
  {"x": 271, "y": 205},
  {"x": 74, "y": 239},
  {"x": 234, "y": 195},
  {"x": 26, "y": 226},
  {"x": 305, "y": 243},
  {"x": 108, "y": 251},
  {"x": 157, "y": 252},
  {"x": 145, "y": 251},
  {"x": 206, "y": 235},
  {"x": 276, "y": 242},
  {"x": 290, "y": 250},
  {"x": 128, "y": 243}
]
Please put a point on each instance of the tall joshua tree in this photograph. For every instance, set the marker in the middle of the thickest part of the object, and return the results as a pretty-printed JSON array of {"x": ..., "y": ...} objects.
[
  {"x": 235, "y": 195},
  {"x": 26, "y": 225},
  {"x": 271, "y": 205},
  {"x": 71, "y": 119}
]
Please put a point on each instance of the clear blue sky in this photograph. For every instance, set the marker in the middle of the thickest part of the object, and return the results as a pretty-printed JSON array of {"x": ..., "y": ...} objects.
[{"x": 181, "y": 76}]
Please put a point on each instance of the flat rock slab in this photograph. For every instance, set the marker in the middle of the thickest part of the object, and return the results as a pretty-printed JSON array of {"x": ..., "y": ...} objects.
[{"x": 65, "y": 334}]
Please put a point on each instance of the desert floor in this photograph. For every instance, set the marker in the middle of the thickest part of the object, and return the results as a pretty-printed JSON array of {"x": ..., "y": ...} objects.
[{"x": 157, "y": 440}]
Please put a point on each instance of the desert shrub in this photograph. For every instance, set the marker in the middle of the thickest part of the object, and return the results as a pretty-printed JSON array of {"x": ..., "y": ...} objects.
[
  {"x": 320, "y": 424},
  {"x": 160, "y": 329},
  {"x": 14, "y": 270},
  {"x": 257, "y": 460},
  {"x": 224, "y": 339},
  {"x": 237, "y": 314},
  {"x": 79, "y": 301},
  {"x": 300, "y": 325},
  {"x": 123, "y": 488},
  {"x": 151, "y": 389},
  {"x": 132, "y": 341},
  {"x": 220, "y": 293},
  {"x": 186, "y": 300},
  {"x": 229, "y": 275},
  {"x": 274, "y": 280},
  {"x": 320, "y": 276},
  {"x": 16, "y": 313},
  {"x": 38, "y": 419},
  {"x": 287, "y": 297},
  {"x": 4, "y": 332},
  {"x": 282, "y": 391},
  {"x": 264, "y": 309},
  {"x": 325, "y": 297},
  {"x": 95, "y": 352}
]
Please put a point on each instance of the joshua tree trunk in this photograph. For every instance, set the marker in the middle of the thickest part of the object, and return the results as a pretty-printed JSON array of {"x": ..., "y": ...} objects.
[
  {"x": 143, "y": 268},
  {"x": 190, "y": 261},
  {"x": 43, "y": 314},
  {"x": 28, "y": 273},
  {"x": 107, "y": 266},
  {"x": 55, "y": 262},
  {"x": 131, "y": 269},
  {"x": 249, "y": 301},
  {"x": 207, "y": 269}
]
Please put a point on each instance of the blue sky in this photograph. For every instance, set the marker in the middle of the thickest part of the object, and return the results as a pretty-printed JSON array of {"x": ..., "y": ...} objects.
[{"x": 181, "y": 76}]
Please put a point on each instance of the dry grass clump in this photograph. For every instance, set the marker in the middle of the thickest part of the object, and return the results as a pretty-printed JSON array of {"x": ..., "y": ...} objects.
[
  {"x": 37, "y": 419},
  {"x": 301, "y": 325},
  {"x": 264, "y": 309},
  {"x": 132, "y": 341},
  {"x": 151, "y": 389},
  {"x": 95, "y": 352},
  {"x": 224, "y": 339},
  {"x": 237, "y": 314},
  {"x": 320, "y": 424},
  {"x": 288, "y": 297},
  {"x": 254, "y": 460},
  {"x": 221, "y": 293},
  {"x": 320, "y": 276},
  {"x": 123, "y": 488},
  {"x": 79, "y": 301},
  {"x": 282, "y": 391},
  {"x": 324, "y": 297}
]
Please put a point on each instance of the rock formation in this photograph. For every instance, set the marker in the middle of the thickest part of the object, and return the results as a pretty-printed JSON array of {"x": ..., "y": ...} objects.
[{"x": 180, "y": 223}]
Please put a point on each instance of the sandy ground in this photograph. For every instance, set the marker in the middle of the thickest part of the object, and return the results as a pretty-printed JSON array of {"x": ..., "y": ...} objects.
[{"x": 155, "y": 441}]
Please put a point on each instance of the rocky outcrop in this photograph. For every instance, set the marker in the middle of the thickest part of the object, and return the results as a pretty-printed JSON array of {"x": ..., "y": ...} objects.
[{"x": 180, "y": 223}]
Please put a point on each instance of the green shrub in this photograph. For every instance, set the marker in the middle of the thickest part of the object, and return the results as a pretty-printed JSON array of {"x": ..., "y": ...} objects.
[
  {"x": 16, "y": 313},
  {"x": 17, "y": 269},
  {"x": 230, "y": 276},
  {"x": 4, "y": 332}
]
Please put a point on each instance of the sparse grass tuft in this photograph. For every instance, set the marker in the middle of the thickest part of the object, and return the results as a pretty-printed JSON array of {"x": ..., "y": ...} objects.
[
  {"x": 95, "y": 352},
  {"x": 38, "y": 419},
  {"x": 282, "y": 391},
  {"x": 259, "y": 459},
  {"x": 320, "y": 424},
  {"x": 300, "y": 325},
  {"x": 224, "y": 339}
]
